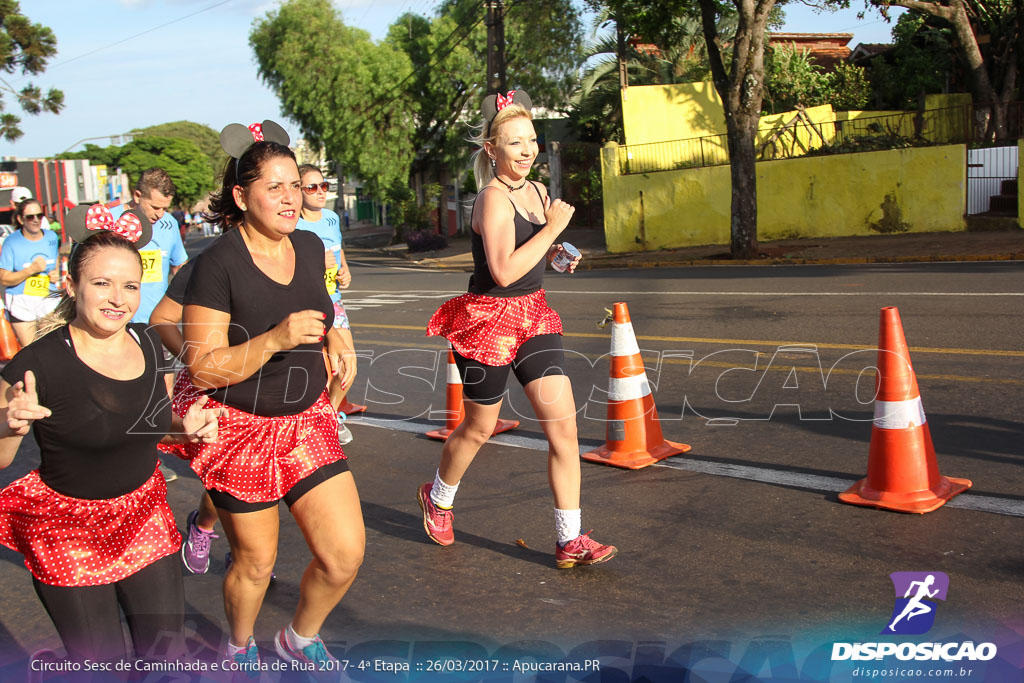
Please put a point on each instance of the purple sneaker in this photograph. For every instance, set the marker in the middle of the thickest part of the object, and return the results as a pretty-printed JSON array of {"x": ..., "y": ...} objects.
[{"x": 195, "y": 550}]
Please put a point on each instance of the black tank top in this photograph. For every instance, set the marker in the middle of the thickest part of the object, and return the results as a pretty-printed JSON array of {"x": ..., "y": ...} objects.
[{"x": 481, "y": 281}]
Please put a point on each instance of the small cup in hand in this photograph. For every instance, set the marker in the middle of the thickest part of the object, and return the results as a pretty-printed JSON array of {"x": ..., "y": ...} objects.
[{"x": 564, "y": 258}]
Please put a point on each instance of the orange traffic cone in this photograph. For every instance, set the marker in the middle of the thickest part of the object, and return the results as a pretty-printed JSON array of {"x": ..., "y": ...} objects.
[
  {"x": 8, "y": 342},
  {"x": 633, "y": 434},
  {"x": 350, "y": 408},
  {"x": 455, "y": 412},
  {"x": 902, "y": 472}
]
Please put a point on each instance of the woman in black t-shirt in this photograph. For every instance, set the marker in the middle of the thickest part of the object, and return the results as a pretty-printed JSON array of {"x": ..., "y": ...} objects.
[
  {"x": 93, "y": 521},
  {"x": 256, "y": 321}
]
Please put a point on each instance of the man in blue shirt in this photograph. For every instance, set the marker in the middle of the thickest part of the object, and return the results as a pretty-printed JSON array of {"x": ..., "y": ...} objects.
[{"x": 165, "y": 254}]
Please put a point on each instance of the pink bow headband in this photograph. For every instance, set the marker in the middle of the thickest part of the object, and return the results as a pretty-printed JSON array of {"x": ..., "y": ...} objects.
[{"x": 127, "y": 225}]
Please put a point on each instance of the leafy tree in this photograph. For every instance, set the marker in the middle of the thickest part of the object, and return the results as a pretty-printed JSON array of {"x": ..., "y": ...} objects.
[
  {"x": 740, "y": 85},
  {"x": 336, "y": 83},
  {"x": 919, "y": 62},
  {"x": 188, "y": 167},
  {"x": 992, "y": 66},
  {"x": 384, "y": 110},
  {"x": 792, "y": 78},
  {"x": 26, "y": 48},
  {"x": 206, "y": 138}
]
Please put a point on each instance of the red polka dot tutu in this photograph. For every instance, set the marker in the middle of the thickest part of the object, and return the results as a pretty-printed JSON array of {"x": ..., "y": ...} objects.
[
  {"x": 258, "y": 459},
  {"x": 79, "y": 542},
  {"x": 491, "y": 329}
]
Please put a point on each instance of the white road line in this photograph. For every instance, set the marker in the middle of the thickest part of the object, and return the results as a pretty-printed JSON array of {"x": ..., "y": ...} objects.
[{"x": 765, "y": 475}]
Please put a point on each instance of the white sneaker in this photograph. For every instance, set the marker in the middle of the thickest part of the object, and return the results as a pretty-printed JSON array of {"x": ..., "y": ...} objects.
[{"x": 344, "y": 435}]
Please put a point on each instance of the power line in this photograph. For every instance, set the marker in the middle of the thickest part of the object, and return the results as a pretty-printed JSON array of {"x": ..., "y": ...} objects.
[
  {"x": 368, "y": 116},
  {"x": 141, "y": 33}
]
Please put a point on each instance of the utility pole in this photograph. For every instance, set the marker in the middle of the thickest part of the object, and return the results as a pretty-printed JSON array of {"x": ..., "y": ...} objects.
[{"x": 495, "y": 23}]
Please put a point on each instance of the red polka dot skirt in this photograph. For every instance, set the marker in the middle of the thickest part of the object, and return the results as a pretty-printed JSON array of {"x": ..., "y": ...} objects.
[
  {"x": 258, "y": 459},
  {"x": 78, "y": 542},
  {"x": 491, "y": 329}
]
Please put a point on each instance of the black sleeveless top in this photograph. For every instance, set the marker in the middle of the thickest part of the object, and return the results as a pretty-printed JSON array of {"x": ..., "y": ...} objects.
[{"x": 481, "y": 281}]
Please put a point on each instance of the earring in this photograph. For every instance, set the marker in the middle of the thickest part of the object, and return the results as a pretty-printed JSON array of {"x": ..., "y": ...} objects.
[{"x": 494, "y": 164}]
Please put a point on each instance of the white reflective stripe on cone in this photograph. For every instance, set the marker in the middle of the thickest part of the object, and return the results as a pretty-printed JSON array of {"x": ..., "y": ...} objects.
[
  {"x": 623, "y": 340},
  {"x": 626, "y": 388},
  {"x": 899, "y": 414},
  {"x": 453, "y": 374}
]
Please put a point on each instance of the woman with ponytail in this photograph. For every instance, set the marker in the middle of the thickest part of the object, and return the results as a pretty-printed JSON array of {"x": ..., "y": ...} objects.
[
  {"x": 504, "y": 324},
  {"x": 93, "y": 521}
]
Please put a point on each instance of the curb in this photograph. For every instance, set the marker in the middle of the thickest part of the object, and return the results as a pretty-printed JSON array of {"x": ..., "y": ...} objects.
[{"x": 612, "y": 261}]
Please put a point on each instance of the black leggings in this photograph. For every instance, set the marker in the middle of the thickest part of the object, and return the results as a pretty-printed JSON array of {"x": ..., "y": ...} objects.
[
  {"x": 228, "y": 503},
  {"x": 89, "y": 621},
  {"x": 536, "y": 357}
]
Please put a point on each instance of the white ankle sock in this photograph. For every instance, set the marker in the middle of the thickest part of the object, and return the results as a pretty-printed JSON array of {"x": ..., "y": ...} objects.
[
  {"x": 568, "y": 524},
  {"x": 295, "y": 640},
  {"x": 443, "y": 494},
  {"x": 235, "y": 649}
]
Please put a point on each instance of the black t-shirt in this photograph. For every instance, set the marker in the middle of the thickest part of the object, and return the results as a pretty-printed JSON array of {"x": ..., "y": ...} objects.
[
  {"x": 100, "y": 441},
  {"x": 176, "y": 287},
  {"x": 225, "y": 278},
  {"x": 482, "y": 282}
]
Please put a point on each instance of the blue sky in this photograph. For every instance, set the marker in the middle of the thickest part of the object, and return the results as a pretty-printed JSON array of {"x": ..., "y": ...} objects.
[{"x": 197, "y": 65}]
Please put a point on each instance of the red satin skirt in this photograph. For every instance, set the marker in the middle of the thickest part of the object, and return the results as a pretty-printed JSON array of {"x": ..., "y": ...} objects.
[
  {"x": 491, "y": 329},
  {"x": 258, "y": 459},
  {"x": 79, "y": 542}
]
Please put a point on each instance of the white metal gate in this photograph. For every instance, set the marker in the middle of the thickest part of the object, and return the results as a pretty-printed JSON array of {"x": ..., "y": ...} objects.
[{"x": 986, "y": 170}]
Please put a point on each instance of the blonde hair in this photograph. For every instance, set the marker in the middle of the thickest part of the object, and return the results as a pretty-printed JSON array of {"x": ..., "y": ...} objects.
[{"x": 482, "y": 170}]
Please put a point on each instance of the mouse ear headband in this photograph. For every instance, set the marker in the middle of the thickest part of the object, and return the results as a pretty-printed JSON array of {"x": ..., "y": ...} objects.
[
  {"x": 82, "y": 222},
  {"x": 492, "y": 104},
  {"x": 235, "y": 139}
]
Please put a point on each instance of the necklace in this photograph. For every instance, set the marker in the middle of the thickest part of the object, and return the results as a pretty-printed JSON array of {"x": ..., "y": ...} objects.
[{"x": 510, "y": 188}]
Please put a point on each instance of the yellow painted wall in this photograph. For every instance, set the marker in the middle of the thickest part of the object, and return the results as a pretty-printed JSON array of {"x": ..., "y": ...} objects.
[
  {"x": 906, "y": 190},
  {"x": 656, "y": 113}
]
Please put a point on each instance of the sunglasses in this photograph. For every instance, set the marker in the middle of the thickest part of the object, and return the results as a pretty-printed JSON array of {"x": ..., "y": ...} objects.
[
  {"x": 33, "y": 216},
  {"x": 313, "y": 187}
]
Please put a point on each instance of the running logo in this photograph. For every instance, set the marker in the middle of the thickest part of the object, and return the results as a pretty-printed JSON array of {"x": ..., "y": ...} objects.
[{"x": 914, "y": 611}]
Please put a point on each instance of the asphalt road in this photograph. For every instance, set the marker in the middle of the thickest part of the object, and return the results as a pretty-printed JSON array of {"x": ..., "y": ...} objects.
[{"x": 736, "y": 559}]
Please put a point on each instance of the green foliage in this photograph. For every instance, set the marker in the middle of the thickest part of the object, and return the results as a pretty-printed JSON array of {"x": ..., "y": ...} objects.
[
  {"x": 25, "y": 48},
  {"x": 407, "y": 103},
  {"x": 851, "y": 87},
  {"x": 206, "y": 138},
  {"x": 792, "y": 78},
  {"x": 183, "y": 160},
  {"x": 333, "y": 81},
  {"x": 866, "y": 143},
  {"x": 919, "y": 62}
]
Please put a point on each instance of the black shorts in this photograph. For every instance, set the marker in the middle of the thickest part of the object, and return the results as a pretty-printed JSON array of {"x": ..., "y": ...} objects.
[
  {"x": 228, "y": 503},
  {"x": 537, "y": 357}
]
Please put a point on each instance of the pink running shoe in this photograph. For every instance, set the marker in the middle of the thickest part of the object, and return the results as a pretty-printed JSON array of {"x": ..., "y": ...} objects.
[
  {"x": 436, "y": 522},
  {"x": 581, "y": 551}
]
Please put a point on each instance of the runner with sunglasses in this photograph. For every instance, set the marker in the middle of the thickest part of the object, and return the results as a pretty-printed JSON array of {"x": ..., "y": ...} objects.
[
  {"x": 326, "y": 225},
  {"x": 28, "y": 270}
]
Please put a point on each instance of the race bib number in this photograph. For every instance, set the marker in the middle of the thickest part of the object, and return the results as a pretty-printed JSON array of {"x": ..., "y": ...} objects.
[
  {"x": 329, "y": 279},
  {"x": 38, "y": 285},
  {"x": 152, "y": 265}
]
